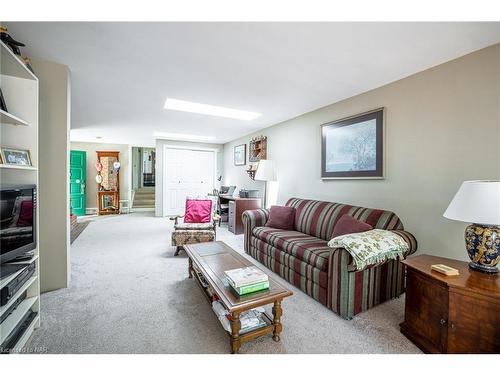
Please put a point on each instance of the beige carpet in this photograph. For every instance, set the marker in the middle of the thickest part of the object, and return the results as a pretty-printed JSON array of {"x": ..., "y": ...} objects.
[{"x": 129, "y": 294}]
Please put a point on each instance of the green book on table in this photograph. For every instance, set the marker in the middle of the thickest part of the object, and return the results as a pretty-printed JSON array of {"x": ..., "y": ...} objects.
[{"x": 246, "y": 289}]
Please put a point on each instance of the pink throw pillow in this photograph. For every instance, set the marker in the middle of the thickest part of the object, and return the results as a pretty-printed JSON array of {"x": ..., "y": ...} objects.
[
  {"x": 347, "y": 225},
  {"x": 198, "y": 211},
  {"x": 281, "y": 217}
]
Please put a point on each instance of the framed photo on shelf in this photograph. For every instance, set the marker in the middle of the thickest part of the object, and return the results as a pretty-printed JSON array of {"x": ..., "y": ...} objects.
[
  {"x": 353, "y": 148},
  {"x": 16, "y": 157},
  {"x": 240, "y": 154}
]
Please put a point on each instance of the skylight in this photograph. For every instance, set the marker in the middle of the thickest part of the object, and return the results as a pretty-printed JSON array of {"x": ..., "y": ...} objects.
[
  {"x": 212, "y": 110},
  {"x": 191, "y": 137}
]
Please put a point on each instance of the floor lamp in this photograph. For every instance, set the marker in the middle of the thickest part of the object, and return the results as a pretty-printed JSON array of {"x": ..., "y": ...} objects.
[{"x": 265, "y": 172}]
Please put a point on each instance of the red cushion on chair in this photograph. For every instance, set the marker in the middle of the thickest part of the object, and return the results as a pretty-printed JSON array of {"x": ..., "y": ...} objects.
[
  {"x": 281, "y": 217},
  {"x": 198, "y": 211},
  {"x": 347, "y": 225}
]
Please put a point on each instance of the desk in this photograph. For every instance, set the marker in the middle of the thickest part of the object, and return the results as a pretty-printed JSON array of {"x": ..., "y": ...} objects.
[{"x": 236, "y": 207}]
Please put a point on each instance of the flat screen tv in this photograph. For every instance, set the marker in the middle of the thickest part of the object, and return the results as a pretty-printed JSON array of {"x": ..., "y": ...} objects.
[{"x": 17, "y": 221}]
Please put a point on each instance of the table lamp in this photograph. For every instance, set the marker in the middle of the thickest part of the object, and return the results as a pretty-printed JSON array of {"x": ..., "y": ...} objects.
[
  {"x": 265, "y": 172},
  {"x": 478, "y": 202}
]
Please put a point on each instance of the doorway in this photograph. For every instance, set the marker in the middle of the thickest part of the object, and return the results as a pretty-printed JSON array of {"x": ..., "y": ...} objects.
[
  {"x": 143, "y": 167},
  {"x": 143, "y": 178},
  {"x": 187, "y": 172},
  {"x": 77, "y": 181}
]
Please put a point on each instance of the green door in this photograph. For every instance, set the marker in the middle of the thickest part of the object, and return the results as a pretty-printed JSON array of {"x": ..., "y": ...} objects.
[{"x": 77, "y": 180}]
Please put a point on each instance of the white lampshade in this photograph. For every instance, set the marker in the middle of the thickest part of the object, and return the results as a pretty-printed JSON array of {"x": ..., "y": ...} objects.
[
  {"x": 265, "y": 171},
  {"x": 476, "y": 202}
]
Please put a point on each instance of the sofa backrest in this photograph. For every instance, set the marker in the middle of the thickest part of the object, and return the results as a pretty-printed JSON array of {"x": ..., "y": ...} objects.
[{"x": 317, "y": 218}]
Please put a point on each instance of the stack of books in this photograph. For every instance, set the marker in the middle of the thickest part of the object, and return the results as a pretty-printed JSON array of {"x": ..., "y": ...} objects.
[
  {"x": 249, "y": 320},
  {"x": 247, "y": 280}
]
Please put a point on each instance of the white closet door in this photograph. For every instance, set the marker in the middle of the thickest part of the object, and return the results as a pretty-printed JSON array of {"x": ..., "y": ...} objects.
[{"x": 187, "y": 173}]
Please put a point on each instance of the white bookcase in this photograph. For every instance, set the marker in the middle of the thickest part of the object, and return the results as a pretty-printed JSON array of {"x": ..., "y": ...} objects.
[{"x": 19, "y": 129}]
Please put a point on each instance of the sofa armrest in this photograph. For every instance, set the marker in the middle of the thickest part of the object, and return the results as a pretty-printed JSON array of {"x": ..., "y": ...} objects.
[
  {"x": 410, "y": 240},
  {"x": 252, "y": 219}
]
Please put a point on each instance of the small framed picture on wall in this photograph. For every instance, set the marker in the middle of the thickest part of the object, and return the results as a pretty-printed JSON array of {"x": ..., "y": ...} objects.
[
  {"x": 353, "y": 148},
  {"x": 240, "y": 154}
]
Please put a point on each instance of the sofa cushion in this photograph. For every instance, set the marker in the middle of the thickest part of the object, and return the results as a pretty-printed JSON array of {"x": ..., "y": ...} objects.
[
  {"x": 317, "y": 291},
  {"x": 309, "y": 249},
  {"x": 281, "y": 217},
  {"x": 308, "y": 271},
  {"x": 317, "y": 218},
  {"x": 347, "y": 225}
]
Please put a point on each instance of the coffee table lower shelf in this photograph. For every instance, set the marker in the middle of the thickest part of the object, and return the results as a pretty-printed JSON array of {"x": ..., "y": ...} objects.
[{"x": 273, "y": 324}]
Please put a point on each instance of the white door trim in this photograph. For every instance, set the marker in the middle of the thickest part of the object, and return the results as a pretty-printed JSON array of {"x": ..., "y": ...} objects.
[{"x": 164, "y": 171}]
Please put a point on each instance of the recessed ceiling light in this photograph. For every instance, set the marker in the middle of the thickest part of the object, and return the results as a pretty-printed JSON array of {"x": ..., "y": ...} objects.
[
  {"x": 191, "y": 137},
  {"x": 212, "y": 110}
]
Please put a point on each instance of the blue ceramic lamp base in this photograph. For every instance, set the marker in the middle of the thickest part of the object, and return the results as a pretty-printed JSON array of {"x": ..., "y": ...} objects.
[{"x": 483, "y": 246}]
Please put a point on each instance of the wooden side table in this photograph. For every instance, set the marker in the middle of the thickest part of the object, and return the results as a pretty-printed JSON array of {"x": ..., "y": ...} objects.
[{"x": 451, "y": 314}]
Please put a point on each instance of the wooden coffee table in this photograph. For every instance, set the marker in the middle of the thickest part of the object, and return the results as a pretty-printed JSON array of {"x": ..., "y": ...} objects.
[{"x": 207, "y": 263}]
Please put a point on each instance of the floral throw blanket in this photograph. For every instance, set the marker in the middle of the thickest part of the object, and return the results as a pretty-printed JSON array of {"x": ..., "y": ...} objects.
[{"x": 371, "y": 247}]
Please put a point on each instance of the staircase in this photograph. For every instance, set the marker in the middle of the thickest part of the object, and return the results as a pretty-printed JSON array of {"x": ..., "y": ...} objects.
[{"x": 144, "y": 198}]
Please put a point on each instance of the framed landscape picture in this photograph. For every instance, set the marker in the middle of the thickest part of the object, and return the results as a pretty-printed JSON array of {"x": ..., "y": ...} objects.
[
  {"x": 240, "y": 154},
  {"x": 353, "y": 147}
]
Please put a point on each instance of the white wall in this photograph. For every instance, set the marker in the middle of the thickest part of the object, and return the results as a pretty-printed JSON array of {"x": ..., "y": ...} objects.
[
  {"x": 160, "y": 146},
  {"x": 54, "y": 117},
  {"x": 136, "y": 167},
  {"x": 125, "y": 170},
  {"x": 442, "y": 127}
]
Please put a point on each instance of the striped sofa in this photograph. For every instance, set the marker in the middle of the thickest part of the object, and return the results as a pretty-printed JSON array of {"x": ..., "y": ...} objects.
[{"x": 303, "y": 258}]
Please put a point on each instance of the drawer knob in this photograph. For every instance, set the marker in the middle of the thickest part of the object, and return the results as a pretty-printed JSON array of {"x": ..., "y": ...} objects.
[{"x": 442, "y": 321}]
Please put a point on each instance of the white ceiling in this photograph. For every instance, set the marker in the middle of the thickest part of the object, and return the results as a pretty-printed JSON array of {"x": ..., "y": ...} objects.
[{"x": 123, "y": 72}]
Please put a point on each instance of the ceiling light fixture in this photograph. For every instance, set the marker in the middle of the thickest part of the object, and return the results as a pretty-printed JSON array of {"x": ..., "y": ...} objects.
[
  {"x": 212, "y": 110},
  {"x": 183, "y": 136}
]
